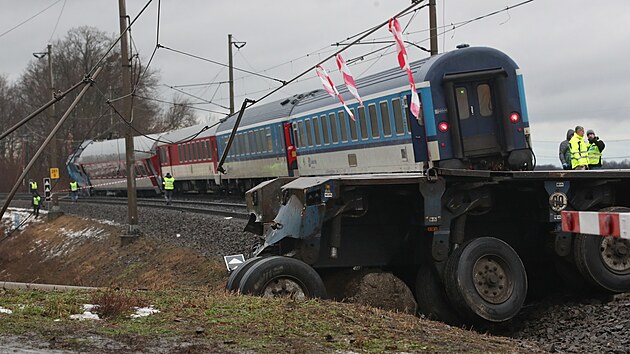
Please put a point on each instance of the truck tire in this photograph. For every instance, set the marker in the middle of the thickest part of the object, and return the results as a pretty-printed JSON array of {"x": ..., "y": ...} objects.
[
  {"x": 486, "y": 281},
  {"x": 432, "y": 299},
  {"x": 237, "y": 274},
  {"x": 604, "y": 261},
  {"x": 278, "y": 276}
]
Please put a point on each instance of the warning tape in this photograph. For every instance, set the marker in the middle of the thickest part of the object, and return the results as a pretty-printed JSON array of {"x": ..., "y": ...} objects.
[{"x": 102, "y": 184}]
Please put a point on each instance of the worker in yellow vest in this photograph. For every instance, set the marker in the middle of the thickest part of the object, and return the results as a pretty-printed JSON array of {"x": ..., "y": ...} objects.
[
  {"x": 595, "y": 148},
  {"x": 579, "y": 150},
  {"x": 37, "y": 201},
  {"x": 169, "y": 187},
  {"x": 74, "y": 191},
  {"x": 32, "y": 186}
]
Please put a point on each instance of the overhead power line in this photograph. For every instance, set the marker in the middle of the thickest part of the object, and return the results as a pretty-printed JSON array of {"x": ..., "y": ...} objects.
[{"x": 28, "y": 19}]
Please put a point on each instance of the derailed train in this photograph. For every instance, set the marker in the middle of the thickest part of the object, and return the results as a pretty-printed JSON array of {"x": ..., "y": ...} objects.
[
  {"x": 446, "y": 202},
  {"x": 309, "y": 134}
]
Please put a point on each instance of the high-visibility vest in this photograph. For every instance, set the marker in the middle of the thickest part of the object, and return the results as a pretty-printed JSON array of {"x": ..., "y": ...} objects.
[
  {"x": 33, "y": 185},
  {"x": 36, "y": 200},
  {"x": 169, "y": 183},
  {"x": 74, "y": 186},
  {"x": 594, "y": 155},
  {"x": 579, "y": 151}
]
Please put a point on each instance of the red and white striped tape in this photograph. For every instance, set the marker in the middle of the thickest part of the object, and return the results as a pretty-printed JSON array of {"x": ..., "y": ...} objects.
[
  {"x": 403, "y": 62},
  {"x": 120, "y": 181},
  {"x": 348, "y": 79},
  {"x": 597, "y": 223},
  {"x": 330, "y": 87}
]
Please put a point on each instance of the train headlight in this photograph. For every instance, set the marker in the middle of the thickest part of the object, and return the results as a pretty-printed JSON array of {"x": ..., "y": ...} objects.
[
  {"x": 443, "y": 126},
  {"x": 514, "y": 117}
]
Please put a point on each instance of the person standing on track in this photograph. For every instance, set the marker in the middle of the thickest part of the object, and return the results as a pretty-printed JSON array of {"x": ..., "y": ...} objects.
[
  {"x": 37, "y": 201},
  {"x": 74, "y": 191},
  {"x": 169, "y": 186}
]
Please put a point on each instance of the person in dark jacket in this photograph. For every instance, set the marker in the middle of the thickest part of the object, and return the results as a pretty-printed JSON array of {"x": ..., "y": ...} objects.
[
  {"x": 595, "y": 148},
  {"x": 565, "y": 152}
]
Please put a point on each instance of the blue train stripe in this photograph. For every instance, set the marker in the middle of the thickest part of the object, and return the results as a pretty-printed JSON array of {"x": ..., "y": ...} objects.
[{"x": 521, "y": 96}]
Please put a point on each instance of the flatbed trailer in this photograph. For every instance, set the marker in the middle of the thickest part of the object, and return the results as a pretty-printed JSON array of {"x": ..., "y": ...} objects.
[{"x": 470, "y": 244}]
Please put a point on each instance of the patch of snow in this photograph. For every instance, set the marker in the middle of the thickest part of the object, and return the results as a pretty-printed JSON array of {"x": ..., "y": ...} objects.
[
  {"x": 108, "y": 222},
  {"x": 15, "y": 217},
  {"x": 86, "y": 233},
  {"x": 144, "y": 311},
  {"x": 228, "y": 218},
  {"x": 7, "y": 311},
  {"x": 87, "y": 313}
]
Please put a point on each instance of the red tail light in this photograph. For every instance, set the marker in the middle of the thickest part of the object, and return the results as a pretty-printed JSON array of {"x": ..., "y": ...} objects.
[
  {"x": 443, "y": 126},
  {"x": 514, "y": 117}
]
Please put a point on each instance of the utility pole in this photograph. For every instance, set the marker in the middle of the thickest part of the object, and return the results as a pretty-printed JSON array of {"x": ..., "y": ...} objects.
[
  {"x": 54, "y": 156},
  {"x": 231, "y": 73},
  {"x": 127, "y": 112},
  {"x": 433, "y": 27}
]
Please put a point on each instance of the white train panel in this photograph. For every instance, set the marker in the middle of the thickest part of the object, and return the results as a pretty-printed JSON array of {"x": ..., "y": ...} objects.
[{"x": 390, "y": 158}]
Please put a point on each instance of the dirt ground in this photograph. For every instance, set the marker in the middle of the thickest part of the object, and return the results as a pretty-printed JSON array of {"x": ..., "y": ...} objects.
[{"x": 77, "y": 251}]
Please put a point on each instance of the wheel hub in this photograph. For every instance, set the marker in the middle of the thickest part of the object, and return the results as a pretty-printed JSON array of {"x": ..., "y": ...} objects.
[
  {"x": 284, "y": 287},
  {"x": 615, "y": 254},
  {"x": 492, "y": 279}
]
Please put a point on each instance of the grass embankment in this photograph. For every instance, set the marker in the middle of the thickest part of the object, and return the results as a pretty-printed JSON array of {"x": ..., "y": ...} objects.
[{"x": 219, "y": 322}]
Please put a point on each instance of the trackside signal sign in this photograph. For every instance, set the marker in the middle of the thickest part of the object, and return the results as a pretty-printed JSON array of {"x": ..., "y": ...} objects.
[{"x": 54, "y": 173}]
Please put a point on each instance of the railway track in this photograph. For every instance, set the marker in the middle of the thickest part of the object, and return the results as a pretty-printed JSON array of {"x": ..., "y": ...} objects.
[{"x": 235, "y": 210}]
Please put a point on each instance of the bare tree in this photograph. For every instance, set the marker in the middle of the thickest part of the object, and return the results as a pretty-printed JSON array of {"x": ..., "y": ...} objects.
[{"x": 177, "y": 116}]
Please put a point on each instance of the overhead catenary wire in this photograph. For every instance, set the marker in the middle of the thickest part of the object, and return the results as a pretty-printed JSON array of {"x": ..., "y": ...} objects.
[
  {"x": 28, "y": 19},
  {"x": 58, "y": 19}
]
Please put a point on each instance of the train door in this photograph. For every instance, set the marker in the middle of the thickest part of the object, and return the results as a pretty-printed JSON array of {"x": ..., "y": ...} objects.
[
  {"x": 290, "y": 149},
  {"x": 477, "y": 116}
]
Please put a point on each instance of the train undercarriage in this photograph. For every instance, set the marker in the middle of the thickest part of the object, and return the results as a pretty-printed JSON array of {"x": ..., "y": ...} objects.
[{"x": 472, "y": 246}]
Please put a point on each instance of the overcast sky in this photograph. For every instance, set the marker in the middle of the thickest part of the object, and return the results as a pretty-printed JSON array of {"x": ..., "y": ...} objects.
[{"x": 575, "y": 55}]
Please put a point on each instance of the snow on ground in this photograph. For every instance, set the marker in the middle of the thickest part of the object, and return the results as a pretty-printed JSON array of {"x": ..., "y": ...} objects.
[
  {"x": 15, "y": 217},
  {"x": 85, "y": 233},
  {"x": 87, "y": 313},
  {"x": 7, "y": 311},
  {"x": 144, "y": 311}
]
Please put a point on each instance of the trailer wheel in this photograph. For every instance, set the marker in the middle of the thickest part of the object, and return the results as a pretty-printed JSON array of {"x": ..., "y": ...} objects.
[
  {"x": 604, "y": 261},
  {"x": 431, "y": 298},
  {"x": 282, "y": 277},
  {"x": 486, "y": 281},
  {"x": 235, "y": 277}
]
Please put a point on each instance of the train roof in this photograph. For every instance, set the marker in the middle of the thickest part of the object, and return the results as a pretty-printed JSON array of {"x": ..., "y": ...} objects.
[
  {"x": 114, "y": 150},
  {"x": 193, "y": 132},
  {"x": 427, "y": 69}
]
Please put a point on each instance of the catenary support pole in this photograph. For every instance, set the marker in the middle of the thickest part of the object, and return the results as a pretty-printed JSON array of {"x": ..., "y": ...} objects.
[
  {"x": 433, "y": 27},
  {"x": 87, "y": 81},
  {"x": 231, "y": 73},
  {"x": 54, "y": 150},
  {"x": 127, "y": 111}
]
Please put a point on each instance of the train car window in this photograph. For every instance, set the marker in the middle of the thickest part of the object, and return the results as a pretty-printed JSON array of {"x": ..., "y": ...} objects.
[
  {"x": 137, "y": 169},
  {"x": 296, "y": 139},
  {"x": 199, "y": 152},
  {"x": 269, "y": 140},
  {"x": 387, "y": 122},
  {"x": 485, "y": 100},
  {"x": 324, "y": 123},
  {"x": 318, "y": 138},
  {"x": 263, "y": 145},
  {"x": 180, "y": 153},
  {"x": 209, "y": 147},
  {"x": 248, "y": 143},
  {"x": 242, "y": 143},
  {"x": 363, "y": 123},
  {"x": 206, "y": 150},
  {"x": 373, "y": 121},
  {"x": 236, "y": 146},
  {"x": 343, "y": 126},
  {"x": 398, "y": 117},
  {"x": 309, "y": 132},
  {"x": 353, "y": 126},
  {"x": 186, "y": 152},
  {"x": 302, "y": 139},
  {"x": 461, "y": 95},
  {"x": 333, "y": 128},
  {"x": 280, "y": 140},
  {"x": 258, "y": 146}
]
